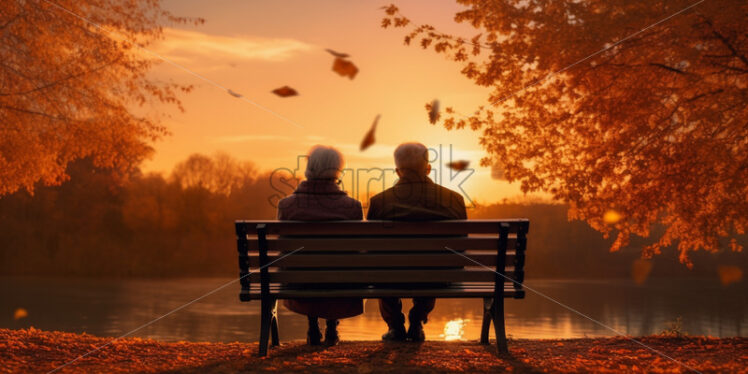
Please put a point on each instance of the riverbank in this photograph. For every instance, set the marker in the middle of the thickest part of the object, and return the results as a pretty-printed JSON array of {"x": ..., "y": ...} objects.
[{"x": 37, "y": 351}]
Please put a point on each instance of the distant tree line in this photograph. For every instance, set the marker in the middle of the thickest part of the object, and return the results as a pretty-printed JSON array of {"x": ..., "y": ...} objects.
[{"x": 99, "y": 224}]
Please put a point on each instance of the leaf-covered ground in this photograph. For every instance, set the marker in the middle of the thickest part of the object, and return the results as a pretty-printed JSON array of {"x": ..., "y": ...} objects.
[{"x": 34, "y": 350}]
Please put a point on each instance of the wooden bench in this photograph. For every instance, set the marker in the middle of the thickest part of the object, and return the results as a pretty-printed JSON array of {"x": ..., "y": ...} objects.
[{"x": 374, "y": 259}]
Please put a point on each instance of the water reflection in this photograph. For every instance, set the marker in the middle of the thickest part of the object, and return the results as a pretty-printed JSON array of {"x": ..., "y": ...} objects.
[
  {"x": 454, "y": 329},
  {"x": 114, "y": 307}
]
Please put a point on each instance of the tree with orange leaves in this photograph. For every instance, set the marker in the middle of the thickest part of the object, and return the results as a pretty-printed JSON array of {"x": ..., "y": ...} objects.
[
  {"x": 640, "y": 108},
  {"x": 70, "y": 73}
]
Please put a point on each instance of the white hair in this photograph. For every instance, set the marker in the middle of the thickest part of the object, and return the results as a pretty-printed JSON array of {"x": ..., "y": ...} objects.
[
  {"x": 412, "y": 158},
  {"x": 324, "y": 163}
]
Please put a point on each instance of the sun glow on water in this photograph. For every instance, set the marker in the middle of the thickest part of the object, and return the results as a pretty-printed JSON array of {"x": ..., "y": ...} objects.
[{"x": 454, "y": 329}]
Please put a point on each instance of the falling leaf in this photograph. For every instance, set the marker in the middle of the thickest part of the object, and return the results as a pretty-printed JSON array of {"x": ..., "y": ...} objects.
[
  {"x": 729, "y": 274},
  {"x": 369, "y": 138},
  {"x": 640, "y": 270},
  {"x": 434, "y": 111},
  {"x": 497, "y": 172},
  {"x": 20, "y": 313},
  {"x": 337, "y": 54},
  {"x": 345, "y": 68},
  {"x": 285, "y": 91},
  {"x": 459, "y": 165},
  {"x": 611, "y": 216},
  {"x": 234, "y": 94}
]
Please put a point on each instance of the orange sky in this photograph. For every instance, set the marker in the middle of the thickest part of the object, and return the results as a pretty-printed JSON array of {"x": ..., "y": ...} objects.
[{"x": 254, "y": 47}]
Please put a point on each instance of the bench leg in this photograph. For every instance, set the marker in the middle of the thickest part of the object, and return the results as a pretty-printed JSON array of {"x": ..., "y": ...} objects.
[
  {"x": 498, "y": 325},
  {"x": 487, "y": 316},
  {"x": 265, "y": 320},
  {"x": 274, "y": 325}
]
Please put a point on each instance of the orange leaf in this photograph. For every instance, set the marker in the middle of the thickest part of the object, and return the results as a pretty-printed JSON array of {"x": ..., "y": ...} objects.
[
  {"x": 611, "y": 216},
  {"x": 369, "y": 138},
  {"x": 337, "y": 54},
  {"x": 344, "y": 67},
  {"x": 285, "y": 91},
  {"x": 458, "y": 165},
  {"x": 20, "y": 313},
  {"x": 434, "y": 112},
  {"x": 729, "y": 274}
]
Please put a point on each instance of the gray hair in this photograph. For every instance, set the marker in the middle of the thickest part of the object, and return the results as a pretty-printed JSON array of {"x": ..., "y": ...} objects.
[
  {"x": 324, "y": 163},
  {"x": 412, "y": 158}
]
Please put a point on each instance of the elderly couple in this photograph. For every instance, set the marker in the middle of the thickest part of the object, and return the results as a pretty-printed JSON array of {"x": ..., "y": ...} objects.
[{"x": 414, "y": 197}]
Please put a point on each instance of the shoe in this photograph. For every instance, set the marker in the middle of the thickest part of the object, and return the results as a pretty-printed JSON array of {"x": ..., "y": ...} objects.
[
  {"x": 415, "y": 332},
  {"x": 396, "y": 334},
  {"x": 331, "y": 333}
]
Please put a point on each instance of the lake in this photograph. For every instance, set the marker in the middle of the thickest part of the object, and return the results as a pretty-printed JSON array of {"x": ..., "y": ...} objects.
[{"x": 114, "y": 307}]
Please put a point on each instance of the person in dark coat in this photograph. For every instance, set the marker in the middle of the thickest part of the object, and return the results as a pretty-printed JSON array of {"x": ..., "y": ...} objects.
[
  {"x": 415, "y": 197},
  {"x": 319, "y": 198}
]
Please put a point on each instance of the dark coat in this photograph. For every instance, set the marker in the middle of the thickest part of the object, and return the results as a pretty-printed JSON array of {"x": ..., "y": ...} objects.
[
  {"x": 417, "y": 199},
  {"x": 321, "y": 200}
]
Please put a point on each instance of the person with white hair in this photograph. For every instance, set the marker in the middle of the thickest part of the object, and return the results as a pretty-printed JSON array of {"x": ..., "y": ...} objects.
[
  {"x": 415, "y": 197},
  {"x": 319, "y": 198}
]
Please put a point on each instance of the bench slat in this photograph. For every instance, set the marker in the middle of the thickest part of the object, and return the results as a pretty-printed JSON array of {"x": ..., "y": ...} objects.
[
  {"x": 347, "y": 286},
  {"x": 451, "y": 227},
  {"x": 281, "y": 293},
  {"x": 380, "y": 276},
  {"x": 367, "y": 260},
  {"x": 452, "y": 285},
  {"x": 379, "y": 244}
]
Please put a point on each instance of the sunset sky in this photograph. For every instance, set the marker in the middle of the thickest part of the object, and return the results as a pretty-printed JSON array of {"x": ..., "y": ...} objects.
[{"x": 255, "y": 47}]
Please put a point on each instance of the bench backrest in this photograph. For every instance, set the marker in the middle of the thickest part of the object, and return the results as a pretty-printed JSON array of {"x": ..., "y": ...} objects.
[{"x": 381, "y": 252}]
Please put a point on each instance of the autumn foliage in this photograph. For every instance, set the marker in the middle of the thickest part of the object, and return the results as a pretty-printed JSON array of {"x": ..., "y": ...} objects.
[
  {"x": 33, "y": 351},
  {"x": 67, "y": 86},
  {"x": 636, "y": 107}
]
